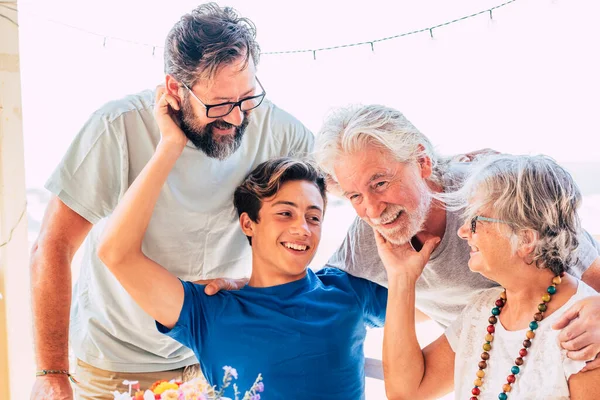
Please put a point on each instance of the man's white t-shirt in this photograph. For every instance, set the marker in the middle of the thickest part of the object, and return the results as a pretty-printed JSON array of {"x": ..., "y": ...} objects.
[
  {"x": 546, "y": 370},
  {"x": 193, "y": 232}
]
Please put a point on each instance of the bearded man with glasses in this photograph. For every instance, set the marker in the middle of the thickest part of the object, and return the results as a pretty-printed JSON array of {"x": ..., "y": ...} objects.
[
  {"x": 218, "y": 139},
  {"x": 215, "y": 97}
]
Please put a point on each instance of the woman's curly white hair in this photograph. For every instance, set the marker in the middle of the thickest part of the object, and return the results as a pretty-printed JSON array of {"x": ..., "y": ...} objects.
[{"x": 533, "y": 194}]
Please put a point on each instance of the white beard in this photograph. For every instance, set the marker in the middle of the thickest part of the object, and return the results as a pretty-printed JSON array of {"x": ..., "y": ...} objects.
[{"x": 412, "y": 223}]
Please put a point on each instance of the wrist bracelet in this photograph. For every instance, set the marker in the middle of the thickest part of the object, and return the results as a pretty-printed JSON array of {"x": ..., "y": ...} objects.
[{"x": 56, "y": 372}]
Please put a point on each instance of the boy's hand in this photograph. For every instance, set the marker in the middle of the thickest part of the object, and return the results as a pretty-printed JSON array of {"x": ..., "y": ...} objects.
[{"x": 166, "y": 108}]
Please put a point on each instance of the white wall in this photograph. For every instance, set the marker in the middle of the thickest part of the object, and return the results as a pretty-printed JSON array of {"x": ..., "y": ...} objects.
[{"x": 16, "y": 352}]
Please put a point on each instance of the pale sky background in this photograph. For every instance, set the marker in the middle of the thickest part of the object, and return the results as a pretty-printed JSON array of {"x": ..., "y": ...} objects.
[{"x": 526, "y": 82}]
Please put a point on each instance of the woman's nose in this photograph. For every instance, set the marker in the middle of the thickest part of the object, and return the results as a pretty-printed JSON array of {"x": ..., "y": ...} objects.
[{"x": 464, "y": 232}]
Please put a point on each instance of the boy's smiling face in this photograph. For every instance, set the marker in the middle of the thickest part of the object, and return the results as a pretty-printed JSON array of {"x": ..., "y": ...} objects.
[{"x": 288, "y": 231}]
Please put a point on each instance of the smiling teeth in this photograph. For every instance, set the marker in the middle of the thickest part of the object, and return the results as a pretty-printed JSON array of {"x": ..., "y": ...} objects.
[
  {"x": 295, "y": 246},
  {"x": 392, "y": 220}
]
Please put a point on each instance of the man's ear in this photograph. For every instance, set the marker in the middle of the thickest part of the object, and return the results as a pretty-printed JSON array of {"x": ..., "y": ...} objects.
[
  {"x": 424, "y": 164},
  {"x": 527, "y": 242},
  {"x": 247, "y": 225},
  {"x": 173, "y": 86}
]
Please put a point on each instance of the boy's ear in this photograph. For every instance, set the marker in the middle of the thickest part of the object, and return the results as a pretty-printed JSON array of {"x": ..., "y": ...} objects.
[{"x": 247, "y": 225}]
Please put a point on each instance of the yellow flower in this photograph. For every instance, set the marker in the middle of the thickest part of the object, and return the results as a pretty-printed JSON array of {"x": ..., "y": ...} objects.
[{"x": 163, "y": 386}]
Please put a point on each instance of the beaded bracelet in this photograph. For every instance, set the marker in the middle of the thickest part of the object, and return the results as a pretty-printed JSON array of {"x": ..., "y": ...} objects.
[{"x": 56, "y": 372}]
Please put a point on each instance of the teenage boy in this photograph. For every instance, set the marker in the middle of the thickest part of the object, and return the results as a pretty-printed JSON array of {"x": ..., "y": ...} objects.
[{"x": 303, "y": 331}]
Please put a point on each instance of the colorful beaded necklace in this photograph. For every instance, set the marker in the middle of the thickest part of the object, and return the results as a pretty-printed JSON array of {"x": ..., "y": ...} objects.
[{"x": 489, "y": 338}]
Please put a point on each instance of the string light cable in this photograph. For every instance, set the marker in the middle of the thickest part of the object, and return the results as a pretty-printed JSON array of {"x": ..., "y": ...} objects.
[{"x": 371, "y": 43}]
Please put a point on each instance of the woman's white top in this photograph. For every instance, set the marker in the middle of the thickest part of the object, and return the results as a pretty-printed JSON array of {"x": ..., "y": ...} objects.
[{"x": 546, "y": 370}]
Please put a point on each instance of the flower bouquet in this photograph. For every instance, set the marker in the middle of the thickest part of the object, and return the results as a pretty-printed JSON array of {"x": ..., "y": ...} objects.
[{"x": 196, "y": 389}]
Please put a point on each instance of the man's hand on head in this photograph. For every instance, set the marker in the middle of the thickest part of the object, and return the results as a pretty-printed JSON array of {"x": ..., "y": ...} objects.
[
  {"x": 213, "y": 286},
  {"x": 580, "y": 333}
]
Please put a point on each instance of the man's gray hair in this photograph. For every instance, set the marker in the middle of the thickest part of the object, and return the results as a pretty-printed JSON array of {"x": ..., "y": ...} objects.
[
  {"x": 352, "y": 129},
  {"x": 530, "y": 193},
  {"x": 206, "y": 39}
]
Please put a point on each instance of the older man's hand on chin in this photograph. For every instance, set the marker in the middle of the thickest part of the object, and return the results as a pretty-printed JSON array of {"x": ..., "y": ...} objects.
[{"x": 580, "y": 333}]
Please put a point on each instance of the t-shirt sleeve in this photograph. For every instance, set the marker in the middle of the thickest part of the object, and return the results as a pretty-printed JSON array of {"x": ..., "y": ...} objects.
[
  {"x": 587, "y": 252},
  {"x": 373, "y": 299},
  {"x": 302, "y": 141},
  {"x": 92, "y": 175},
  {"x": 194, "y": 318},
  {"x": 570, "y": 367},
  {"x": 296, "y": 140}
]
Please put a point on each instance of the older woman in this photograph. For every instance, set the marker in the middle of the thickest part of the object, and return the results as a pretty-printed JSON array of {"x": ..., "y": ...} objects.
[{"x": 522, "y": 226}]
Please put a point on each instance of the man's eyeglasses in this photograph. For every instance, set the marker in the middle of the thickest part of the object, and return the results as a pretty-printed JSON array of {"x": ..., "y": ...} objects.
[
  {"x": 222, "y": 109},
  {"x": 486, "y": 219}
]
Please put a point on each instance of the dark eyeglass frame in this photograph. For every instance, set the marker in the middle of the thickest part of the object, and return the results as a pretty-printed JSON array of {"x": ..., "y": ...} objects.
[
  {"x": 486, "y": 219},
  {"x": 230, "y": 103}
]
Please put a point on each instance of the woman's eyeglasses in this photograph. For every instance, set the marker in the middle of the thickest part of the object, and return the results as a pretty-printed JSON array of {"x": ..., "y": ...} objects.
[{"x": 486, "y": 219}]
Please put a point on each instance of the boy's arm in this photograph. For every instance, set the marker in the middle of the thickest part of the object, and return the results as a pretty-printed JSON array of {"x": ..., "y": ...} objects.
[{"x": 153, "y": 288}]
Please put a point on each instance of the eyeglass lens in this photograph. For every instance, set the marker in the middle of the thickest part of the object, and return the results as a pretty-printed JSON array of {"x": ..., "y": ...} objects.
[{"x": 245, "y": 105}]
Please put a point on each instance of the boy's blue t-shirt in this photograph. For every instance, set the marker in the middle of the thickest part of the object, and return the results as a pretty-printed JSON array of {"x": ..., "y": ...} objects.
[{"x": 305, "y": 337}]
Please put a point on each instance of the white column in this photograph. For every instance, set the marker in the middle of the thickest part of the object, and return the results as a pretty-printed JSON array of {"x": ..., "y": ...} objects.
[{"x": 16, "y": 343}]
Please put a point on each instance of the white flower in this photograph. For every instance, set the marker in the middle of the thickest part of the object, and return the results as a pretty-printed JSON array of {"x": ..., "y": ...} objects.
[
  {"x": 230, "y": 371},
  {"x": 149, "y": 395},
  {"x": 122, "y": 396}
]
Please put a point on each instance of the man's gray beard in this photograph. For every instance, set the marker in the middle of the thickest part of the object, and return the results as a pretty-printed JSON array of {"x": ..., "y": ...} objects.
[
  {"x": 403, "y": 234},
  {"x": 202, "y": 135}
]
